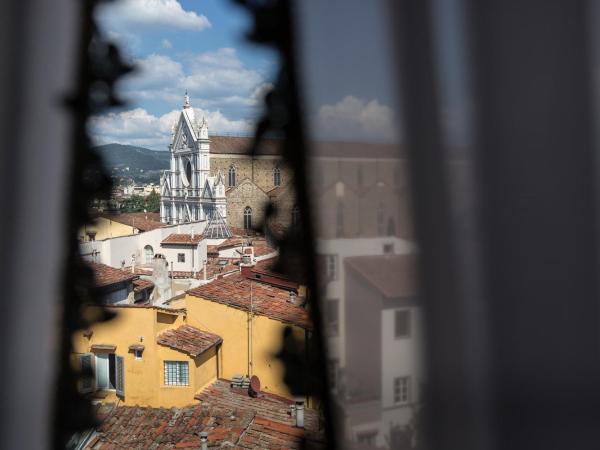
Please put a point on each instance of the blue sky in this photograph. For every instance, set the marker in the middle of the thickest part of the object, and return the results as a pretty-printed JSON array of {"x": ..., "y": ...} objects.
[{"x": 198, "y": 45}]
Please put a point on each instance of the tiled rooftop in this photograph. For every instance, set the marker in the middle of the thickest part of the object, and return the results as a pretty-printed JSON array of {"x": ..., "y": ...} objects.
[
  {"x": 188, "y": 339},
  {"x": 106, "y": 276},
  {"x": 141, "y": 221},
  {"x": 182, "y": 239},
  {"x": 231, "y": 419},
  {"x": 269, "y": 301},
  {"x": 392, "y": 275},
  {"x": 140, "y": 285}
]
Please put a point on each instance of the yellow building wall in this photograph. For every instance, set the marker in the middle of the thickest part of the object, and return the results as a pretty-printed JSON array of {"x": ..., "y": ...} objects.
[
  {"x": 106, "y": 229},
  {"x": 232, "y": 325},
  {"x": 144, "y": 379}
]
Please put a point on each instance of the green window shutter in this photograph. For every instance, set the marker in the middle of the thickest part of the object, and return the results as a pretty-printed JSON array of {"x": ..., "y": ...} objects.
[{"x": 120, "y": 375}]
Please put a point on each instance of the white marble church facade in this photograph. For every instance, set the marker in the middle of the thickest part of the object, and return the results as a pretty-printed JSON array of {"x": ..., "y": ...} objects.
[{"x": 188, "y": 192}]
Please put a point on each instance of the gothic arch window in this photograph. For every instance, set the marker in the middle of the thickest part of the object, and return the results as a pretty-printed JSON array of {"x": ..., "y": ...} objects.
[
  {"x": 295, "y": 217},
  {"x": 339, "y": 220},
  {"x": 232, "y": 175},
  {"x": 380, "y": 219},
  {"x": 148, "y": 254},
  {"x": 247, "y": 218},
  {"x": 188, "y": 170},
  {"x": 391, "y": 231},
  {"x": 277, "y": 176}
]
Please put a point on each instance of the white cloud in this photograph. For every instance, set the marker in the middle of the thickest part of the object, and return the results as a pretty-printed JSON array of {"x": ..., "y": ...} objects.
[
  {"x": 138, "y": 127},
  {"x": 165, "y": 43},
  {"x": 168, "y": 14},
  {"x": 215, "y": 79},
  {"x": 354, "y": 118}
]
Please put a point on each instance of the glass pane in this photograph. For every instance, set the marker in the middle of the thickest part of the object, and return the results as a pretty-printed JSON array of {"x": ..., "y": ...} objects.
[{"x": 102, "y": 381}]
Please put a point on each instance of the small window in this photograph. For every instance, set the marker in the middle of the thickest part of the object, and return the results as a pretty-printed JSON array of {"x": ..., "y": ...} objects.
[
  {"x": 401, "y": 390},
  {"x": 333, "y": 367},
  {"x": 388, "y": 249},
  {"x": 295, "y": 217},
  {"x": 402, "y": 324},
  {"x": 180, "y": 257},
  {"x": 232, "y": 175},
  {"x": 380, "y": 220},
  {"x": 277, "y": 176},
  {"x": 138, "y": 354},
  {"x": 247, "y": 218},
  {"x": 339, "y": 220},
  {"x": 332, "y": 317},
  {"x": 331, "y": 267},
  {"x": 177, "y": 373}
]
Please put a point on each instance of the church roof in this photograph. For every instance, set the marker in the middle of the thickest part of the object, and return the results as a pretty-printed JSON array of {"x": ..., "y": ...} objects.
[{"x": 240, "y": 145}]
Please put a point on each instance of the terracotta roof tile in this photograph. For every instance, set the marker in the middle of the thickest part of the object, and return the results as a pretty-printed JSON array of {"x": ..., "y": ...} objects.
[
  {"x": 231, "y": 419},
  {"x": 141, "y": 221},
  {"x": 140, "y": 285},
  {"x": 106, "y": 276},
  {"x": 188, "y": 339},
  {"x": 182, "y": 239},
  {"x": 392, "y": 275},
  {"x": 269, "y": 301}
]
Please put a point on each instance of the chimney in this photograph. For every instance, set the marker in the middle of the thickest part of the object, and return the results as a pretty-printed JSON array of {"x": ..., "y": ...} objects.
[
  {"x": 204, "y": 440},
  {"x": 300, "y": 413},
  {"x": 292, "y": 297}
]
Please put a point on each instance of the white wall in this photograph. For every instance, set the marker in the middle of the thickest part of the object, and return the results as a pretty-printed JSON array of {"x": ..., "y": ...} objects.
[
  {"x": 344, "y": 248},
  {"x": 401, "y": 357},
  {"x": 113, "y": 251},
  {"x": 194, "y": 256}
]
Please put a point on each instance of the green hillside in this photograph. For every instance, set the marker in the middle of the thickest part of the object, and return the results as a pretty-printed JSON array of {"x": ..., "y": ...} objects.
[{"x": 117, "y": 156}]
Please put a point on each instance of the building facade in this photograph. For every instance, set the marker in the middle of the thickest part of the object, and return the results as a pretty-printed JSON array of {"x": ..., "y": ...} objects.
[{"x": 188, "y": 192}]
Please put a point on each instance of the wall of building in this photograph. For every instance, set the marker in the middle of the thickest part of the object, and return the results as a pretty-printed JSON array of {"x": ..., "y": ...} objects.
[
  {"x": 194, "y": 256},
  {"x": 258, "y": 169},
  {"x": 232, "y": 325},
  {"x": 144, "y": 379},
  {"x": 245, "y": 194},
  {"x": 113, "y": 251},
  {"x": 106, "y": 229},
  {"x": 406, "y": 362}
]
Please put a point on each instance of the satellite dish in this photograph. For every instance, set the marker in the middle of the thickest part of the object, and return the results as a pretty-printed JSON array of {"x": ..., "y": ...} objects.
[{"x": 254, "y": 387}]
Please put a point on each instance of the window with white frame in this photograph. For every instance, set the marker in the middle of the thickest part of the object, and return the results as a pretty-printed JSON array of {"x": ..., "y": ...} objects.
[
  {"x": 401, "y": 390},
  {"x": 137, "y": 353},
  {"x": 402, "y": 323},
  {"x": 331, "y": 267},
  {"x": 177, "y": 373},
  {"x": 181, "y": 257}
]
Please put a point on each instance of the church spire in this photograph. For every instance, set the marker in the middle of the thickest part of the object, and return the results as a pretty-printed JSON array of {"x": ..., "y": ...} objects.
[{"x": 186, "y": 100}]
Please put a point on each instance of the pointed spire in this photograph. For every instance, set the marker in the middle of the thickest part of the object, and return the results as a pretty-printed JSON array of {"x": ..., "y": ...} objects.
[{"x": 186, "y": 102}]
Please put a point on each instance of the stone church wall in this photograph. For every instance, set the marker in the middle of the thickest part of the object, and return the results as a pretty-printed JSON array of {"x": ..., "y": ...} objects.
[
  {"x": 245, "y": 194},
  {"x": 258, "y": 170}
]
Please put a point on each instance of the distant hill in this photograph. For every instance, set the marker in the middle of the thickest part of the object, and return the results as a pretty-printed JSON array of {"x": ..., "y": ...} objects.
[{"x": 136, "y": 158}]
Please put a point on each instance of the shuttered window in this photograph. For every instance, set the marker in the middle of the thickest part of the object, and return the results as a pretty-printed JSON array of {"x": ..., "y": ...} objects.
[
  {"x": 177, "y": 373},
  {"x": 120, "y": 375},
  {"x": 86, "y": 365}
]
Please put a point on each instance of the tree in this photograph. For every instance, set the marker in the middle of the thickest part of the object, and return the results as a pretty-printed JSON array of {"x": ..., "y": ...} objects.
[{"x": 137, "y": 203}]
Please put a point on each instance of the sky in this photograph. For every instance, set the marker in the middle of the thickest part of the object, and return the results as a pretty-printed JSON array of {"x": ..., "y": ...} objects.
[{"x": 198, "y": 46}]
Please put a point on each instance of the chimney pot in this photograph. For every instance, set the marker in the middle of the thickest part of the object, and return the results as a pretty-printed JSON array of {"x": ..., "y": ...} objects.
[
  {"x": 300, "y": 413},
  {"x": 204, "y": 440}
]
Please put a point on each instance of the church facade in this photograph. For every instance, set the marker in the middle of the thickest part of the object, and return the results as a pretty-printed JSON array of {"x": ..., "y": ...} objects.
[{"x": 188, "y": 191}]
